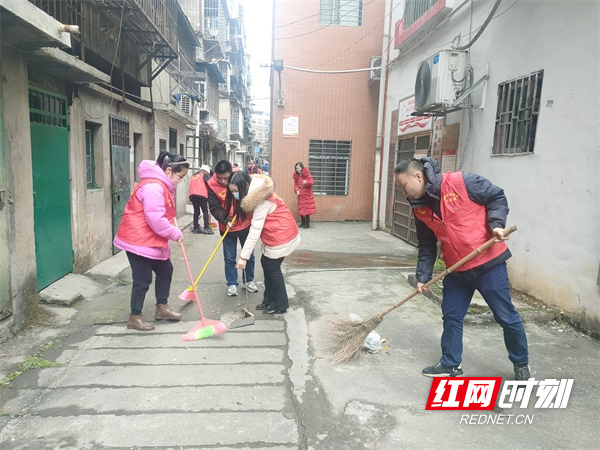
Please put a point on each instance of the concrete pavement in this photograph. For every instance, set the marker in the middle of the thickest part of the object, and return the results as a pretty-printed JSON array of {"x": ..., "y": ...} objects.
[{"x": 271, "y": 384}]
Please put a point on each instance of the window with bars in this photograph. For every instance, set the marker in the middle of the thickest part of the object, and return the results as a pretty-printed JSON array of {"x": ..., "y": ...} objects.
[
  {"x": 329, "y": 164},
  {"x": 345, "y": 13},
  {"x": 90, "y": 165},
  {"x": 415, "y": 9},
  {"x": 517, "y": 115}
]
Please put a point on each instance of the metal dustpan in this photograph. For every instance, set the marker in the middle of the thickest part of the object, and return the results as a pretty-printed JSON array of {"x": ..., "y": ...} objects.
[{"x": 240, "y": 317}]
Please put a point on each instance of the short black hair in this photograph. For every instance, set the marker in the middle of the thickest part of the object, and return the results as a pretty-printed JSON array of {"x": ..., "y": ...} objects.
[
  {"x": 408, "y": 165},
  {"x": 223, "y": 166}
]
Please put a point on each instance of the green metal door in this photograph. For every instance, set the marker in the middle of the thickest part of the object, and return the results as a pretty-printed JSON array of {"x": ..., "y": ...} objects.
[
  {"x": 51, "y": 186},
  {"x": 120, "y": 170}
]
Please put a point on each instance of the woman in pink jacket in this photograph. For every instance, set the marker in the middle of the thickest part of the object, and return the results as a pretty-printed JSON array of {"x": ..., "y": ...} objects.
[
  {"x": 303, "y": 183},
  {"x": 144, "y": 233}
]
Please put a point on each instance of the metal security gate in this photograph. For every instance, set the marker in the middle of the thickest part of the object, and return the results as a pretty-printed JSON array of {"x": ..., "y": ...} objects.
[
  {"x": 51, "y": 186},
  {"x": 403, "y": 225},
  {"x": 120, "y": 167}
]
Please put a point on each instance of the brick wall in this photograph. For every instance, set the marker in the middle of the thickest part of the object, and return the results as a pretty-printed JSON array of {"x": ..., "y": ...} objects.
[{"x": 328, "y": 106}]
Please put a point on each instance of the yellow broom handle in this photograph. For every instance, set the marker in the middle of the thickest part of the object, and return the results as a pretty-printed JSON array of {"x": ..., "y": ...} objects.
[
  {"x": 212, "y": 255},
  {"x": 467, "y": 258}
]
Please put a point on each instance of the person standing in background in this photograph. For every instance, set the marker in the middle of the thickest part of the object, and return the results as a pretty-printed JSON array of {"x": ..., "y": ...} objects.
[
  {"x": 146, "y": 227},
  {"x": 303, "y": 184},
  {"x": 199, "y": 199}
]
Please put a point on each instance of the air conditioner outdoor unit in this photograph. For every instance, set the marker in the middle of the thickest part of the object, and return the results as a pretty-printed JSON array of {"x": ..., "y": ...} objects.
[
  {"x": 440, "y": 78},
  {"x": 186, "y": 105},
  {"x": 375, "y": 72}
]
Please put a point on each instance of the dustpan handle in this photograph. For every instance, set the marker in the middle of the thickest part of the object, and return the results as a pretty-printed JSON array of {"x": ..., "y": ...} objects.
[
  {"x": 195, "y": 283},
  {"x": 452, "y": 268}
]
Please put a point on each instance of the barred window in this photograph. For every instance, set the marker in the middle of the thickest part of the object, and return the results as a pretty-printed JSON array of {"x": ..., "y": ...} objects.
[
  {"x": 90, "y": 165},
  {"x": 329, "y": 164},
  {"x": 346, "y": 13},
  {"x": 517, "y": 115},
  {"x": 415, "y": 9}
]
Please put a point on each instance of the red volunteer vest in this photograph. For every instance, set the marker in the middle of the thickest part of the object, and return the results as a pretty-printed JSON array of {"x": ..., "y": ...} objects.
[
  {"x": 134, "y": 228},
  {"x": 198, "y": 186},
  {"x": 464, "y": 227},
  {"x": 280, "y": 226},
  {"x": 221, "y": 193}
]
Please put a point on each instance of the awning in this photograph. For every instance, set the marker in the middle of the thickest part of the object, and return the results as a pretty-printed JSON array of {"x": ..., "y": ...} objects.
[
  {"x": 65, "y": 66},
  {"x": 211, "y": 69}
]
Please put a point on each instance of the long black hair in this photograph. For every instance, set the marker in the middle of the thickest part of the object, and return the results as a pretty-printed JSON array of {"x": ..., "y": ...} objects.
[
  {"x": 299, "y": 164},
  {"x": 242, "y": 181},
  {"x": 176, "y": 162}
]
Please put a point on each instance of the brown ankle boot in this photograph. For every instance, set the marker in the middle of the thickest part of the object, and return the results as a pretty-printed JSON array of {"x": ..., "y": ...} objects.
[
  {"x": 164, "y": 312},
  {"x": 139, "y": 323}
]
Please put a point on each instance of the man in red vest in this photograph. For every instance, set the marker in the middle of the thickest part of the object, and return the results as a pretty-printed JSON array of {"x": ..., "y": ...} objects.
[
  {"x": 218, "y": 186},
  {"x": 463, "y": 210}
]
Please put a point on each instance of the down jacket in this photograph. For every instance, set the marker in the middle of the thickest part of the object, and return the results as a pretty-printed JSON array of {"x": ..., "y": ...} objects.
[
  {"x": 306, "y": 199},
  {"x": 152, "y": 197},
  {"x": 270, "y": 216}
]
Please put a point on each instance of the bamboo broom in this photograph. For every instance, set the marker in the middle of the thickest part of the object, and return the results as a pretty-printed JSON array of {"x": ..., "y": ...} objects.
[{"x": 347, "y": 336}]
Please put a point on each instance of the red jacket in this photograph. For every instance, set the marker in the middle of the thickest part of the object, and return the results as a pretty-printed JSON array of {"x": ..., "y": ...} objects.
[
  {"x": 134, "y": 228},
  {"x": 198, "y": 185},
  {"x": 306, "y": 199},
  {"x": 464, "y": 227},
  {"x": 280, "y": 226},
  {"x": 216, "y": 197}
]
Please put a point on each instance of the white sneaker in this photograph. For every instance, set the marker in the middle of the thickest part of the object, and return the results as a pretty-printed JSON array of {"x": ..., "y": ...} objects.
[
  {"x": 250, "y": 286},
  {"x": 232, "y": 290}
]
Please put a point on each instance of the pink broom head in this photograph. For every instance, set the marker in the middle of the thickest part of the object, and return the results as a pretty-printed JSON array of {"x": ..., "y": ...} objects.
[
  {"x": 187, "y": 295},
  {"x": 217, "y": 327}
]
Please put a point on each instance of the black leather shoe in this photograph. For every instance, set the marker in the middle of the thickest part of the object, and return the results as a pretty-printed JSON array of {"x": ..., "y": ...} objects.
[
  {"x": 262, "y": 306},
  {"x": 274, "y": 311}
]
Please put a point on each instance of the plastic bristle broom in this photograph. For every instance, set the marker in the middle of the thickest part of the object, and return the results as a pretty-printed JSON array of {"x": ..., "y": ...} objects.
[{"x": 206, "y": 327}]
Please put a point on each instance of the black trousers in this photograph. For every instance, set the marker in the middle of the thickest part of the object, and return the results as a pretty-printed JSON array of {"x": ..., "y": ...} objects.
[
  {"x": 141, "y": 272},
  {"x": 200, "y": 203},
  {"x": 275, "y": 293}
]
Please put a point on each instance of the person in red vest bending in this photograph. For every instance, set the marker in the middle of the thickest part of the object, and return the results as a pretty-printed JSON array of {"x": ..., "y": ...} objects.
[
  {"x": 199, "y": 199},
  {"x": 217, "y": 193},
  {"x": 144, "y": 233},
  {"x": 303, "y": 184},
  {"x": 274, "y": 224},
  {"x": 463, "y": 211}
]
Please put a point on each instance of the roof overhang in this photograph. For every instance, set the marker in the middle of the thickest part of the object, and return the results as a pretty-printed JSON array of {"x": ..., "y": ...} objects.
[
  {"x": 65, "y": 66},
  {"x": 26, "y": 27},
  {"x": 175, "y": 113},
  {"x": 212, "y": 69}
]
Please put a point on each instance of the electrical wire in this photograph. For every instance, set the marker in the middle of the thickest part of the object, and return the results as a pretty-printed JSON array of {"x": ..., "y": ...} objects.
[
  {"x": 482, "y": 28},
  {"x": 310, "y": 17},
  {"x": 331, "y": 71},
  {"x": 364, "y": 36},
  {"x": 319, "y": 29}
]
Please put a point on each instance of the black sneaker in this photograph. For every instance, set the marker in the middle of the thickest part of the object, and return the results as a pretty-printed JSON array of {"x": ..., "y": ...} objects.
[
  {"x": 522, "y": 372},
  {"x": 438, "y": 370}
]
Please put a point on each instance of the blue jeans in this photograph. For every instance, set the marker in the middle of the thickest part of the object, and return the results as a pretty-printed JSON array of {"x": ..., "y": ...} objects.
[
  {"x": 493, "y": 286},
  {"x": 230, "y": 253}
]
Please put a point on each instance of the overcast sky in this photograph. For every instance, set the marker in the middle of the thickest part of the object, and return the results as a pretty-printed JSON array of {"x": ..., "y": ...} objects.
[{"x": 257, "y": 21}]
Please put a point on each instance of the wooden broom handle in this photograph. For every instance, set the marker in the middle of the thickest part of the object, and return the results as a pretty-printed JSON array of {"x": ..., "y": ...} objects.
[{"x": 467, "y": 258}]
